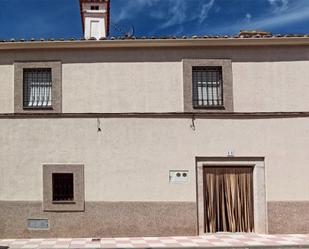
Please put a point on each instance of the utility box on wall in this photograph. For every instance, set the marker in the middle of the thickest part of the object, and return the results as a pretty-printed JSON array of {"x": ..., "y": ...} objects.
[
  {"x": 37, "y": 224},
  {"x": 179, "y": 176}
]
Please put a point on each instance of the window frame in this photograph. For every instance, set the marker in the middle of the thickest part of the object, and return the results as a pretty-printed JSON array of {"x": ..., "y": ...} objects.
[
  {"x": 227, "y": 84},
  {"x": 56, "y": 75},
  {"x": 75, "y": 205}
]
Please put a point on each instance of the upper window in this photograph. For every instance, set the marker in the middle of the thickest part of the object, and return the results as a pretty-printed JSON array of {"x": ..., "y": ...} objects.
[
  {"x": 207, "y": 87},
  {"x": 37, "y": 88},
  {"x": 63, "y": 187},
  {"x": 94, "y": 7}
]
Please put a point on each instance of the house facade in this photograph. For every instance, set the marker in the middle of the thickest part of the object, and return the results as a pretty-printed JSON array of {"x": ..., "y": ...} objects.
[{"x": 154, "y": 137}]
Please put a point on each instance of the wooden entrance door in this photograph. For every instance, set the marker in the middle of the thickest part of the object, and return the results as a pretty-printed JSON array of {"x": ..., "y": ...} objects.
[{"x": 228, "y": 199}]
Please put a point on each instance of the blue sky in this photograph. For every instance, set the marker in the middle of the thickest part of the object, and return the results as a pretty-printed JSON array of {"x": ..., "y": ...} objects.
[{"x": 61, "y": 18}]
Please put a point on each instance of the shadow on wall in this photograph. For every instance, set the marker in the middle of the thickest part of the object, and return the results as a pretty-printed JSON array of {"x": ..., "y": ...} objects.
[{"x": 94, "y": 55}]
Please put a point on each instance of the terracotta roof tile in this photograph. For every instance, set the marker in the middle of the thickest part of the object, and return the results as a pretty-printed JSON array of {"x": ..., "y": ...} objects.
[{"x": 238, "y": 36}]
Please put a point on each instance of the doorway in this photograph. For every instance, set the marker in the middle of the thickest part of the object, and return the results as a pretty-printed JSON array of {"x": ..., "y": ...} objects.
[{"x": 228, "y": 199}]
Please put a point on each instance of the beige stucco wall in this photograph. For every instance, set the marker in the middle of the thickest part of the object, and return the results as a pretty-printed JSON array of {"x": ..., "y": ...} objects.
[
  {"x": 122, "y": 87},
  {"x": 271, "y": 86},
  {"x": 6, "y": 88},
  {"x": 130, "y": 159},
  {"x": 265, "y": 79}
]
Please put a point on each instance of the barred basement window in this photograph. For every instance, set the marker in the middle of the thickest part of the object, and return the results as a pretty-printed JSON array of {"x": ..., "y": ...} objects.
[
  {"x": 37, "y": 88},
  {"x": 63, "y": 186},
  {"x": 207, "y": 87}
]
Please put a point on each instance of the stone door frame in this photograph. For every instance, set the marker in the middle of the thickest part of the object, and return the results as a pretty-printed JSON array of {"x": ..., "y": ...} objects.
[{"x": 259, "y": 187}]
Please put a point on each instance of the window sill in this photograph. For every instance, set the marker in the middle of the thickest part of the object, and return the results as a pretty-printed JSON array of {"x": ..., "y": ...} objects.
[
  {"x": 63, "y": 202},
  {"x": 49, "y": 108},
  {"x": 209, "y": 107}
]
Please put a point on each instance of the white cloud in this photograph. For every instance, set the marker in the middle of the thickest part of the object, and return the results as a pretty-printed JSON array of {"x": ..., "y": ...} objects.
[
  {"x": 168, "y": 12},
  {"x": 295, "y": 14},
  {"x": 131, "y": 7},
  {"x": 205, "y": 10},
  {"x": 176, "y": 13},
  {"x": 248, "y": 17},
  {"x": 279, "y": 5}
]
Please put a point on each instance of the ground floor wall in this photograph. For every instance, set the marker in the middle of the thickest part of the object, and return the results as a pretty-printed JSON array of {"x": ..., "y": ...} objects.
[
  {"x": 288, "y": 217},
  {"x": 126, "y": 172},
  {"x": 101, "y": 219},
  {"x": 133, "y": 219}
]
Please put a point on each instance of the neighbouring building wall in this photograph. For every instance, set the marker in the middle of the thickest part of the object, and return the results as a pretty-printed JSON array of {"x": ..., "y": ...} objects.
[
  {"x": 265, "y": 79},
  {"x": 94, "y": 21},
  {"x": 95, "y": 27}
]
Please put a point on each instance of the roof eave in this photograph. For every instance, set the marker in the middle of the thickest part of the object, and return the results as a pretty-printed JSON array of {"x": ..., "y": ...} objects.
[{"x": 219, "y": 42}]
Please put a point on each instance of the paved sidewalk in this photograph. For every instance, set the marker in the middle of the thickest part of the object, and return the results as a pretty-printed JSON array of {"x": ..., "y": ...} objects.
[{"x": 217, "y": 240}]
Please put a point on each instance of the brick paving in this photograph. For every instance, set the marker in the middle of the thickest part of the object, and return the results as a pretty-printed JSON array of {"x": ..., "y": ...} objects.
[{"x": 206, "y": 241}]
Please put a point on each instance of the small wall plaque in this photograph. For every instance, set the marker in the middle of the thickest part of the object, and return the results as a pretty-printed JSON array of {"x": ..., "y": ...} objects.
[{"x": 37, "y": 224}]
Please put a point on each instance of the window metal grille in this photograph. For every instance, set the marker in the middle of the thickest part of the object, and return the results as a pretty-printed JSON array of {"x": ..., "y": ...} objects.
[
  {"x": 63, "y": 186},
  {"x": 207, "y": 87},
  {"x": 37, "y": 88}
]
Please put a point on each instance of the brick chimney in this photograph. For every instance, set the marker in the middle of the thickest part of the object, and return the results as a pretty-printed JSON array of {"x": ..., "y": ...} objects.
[{"x": 95, "y": 16}]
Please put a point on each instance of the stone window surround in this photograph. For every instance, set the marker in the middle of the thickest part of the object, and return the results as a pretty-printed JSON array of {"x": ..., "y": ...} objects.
[
  {"x": 227, "y": 77},
  {"x": 78, "y": 204},
  {"x": 56, "y": 67},
  {"x": 259, "y": 190}
]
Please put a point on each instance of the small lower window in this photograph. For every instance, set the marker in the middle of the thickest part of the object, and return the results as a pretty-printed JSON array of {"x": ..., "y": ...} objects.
[{"x": 63, "y": 187}]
